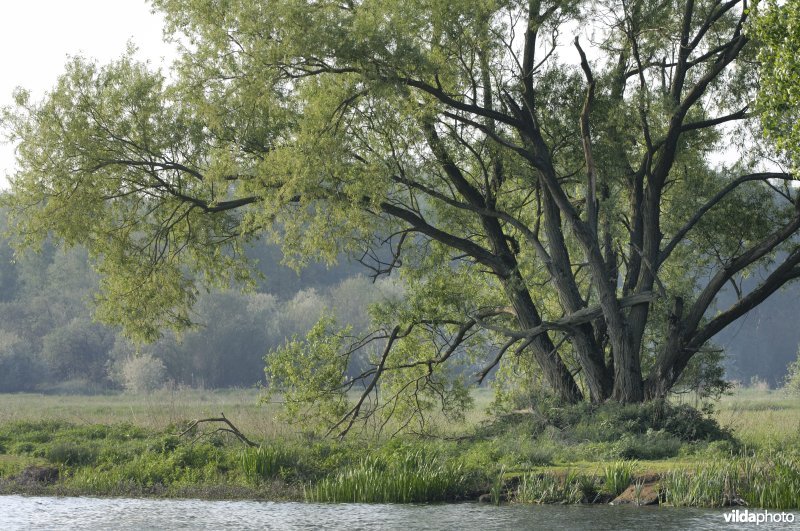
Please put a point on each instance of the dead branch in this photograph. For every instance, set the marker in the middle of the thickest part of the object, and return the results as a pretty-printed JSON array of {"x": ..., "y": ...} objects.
[{"x": 230, "y": 429}]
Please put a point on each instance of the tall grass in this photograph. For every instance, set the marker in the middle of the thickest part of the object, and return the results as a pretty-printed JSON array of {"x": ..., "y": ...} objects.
[
  {"x": 412, "y": 478},
  {"x": 267, "y": 461},
  {"x": 618, "y": 476},
  {"x": 550, "y": 488},
  {"x": 771, "y": 483}
]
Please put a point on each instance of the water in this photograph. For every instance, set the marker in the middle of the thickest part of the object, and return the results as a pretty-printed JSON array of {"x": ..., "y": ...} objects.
[{"x": 22, "y": 512}]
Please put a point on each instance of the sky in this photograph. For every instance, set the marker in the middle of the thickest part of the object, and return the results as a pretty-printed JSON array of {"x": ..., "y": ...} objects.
[{"x": 38, "y": 36}]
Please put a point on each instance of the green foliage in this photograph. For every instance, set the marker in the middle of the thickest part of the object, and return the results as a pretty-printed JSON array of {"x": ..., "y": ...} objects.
[
  {"x": 305, "y": 370},
  {"x": 268, "y": 461},
  {"x": 792, "y": 381},
  {"x": 570, "y": 487},
  {"x": 20, "y": 369},
  {"x": 618, "y": 476},
  {"x": 772, "y": 482},
  {"x": 364, "y": 132},
  {"x": 410, "y": 477},
  {"x": 71, "y": 454},
  {"x": 704, "y": 376},
  {"x": 777, "y": 26},
  {"x": 78, "y": 350},
  {"x": 142, "y": 374}
]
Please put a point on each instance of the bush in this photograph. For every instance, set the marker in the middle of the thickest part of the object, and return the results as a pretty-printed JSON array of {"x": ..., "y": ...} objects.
[
  {"x": 610, "y": 422},
  {"x": 651, "y": 445},
  {"x": 792, "y": 382},
  {"x": 143, "y": 374},
  {"x": 20, "y": 369}
]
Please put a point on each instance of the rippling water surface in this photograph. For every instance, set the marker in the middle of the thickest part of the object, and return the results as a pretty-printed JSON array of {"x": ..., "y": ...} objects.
[{"x": 22, "y": 512}]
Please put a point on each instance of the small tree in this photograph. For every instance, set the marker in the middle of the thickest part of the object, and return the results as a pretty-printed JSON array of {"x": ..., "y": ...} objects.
[
  {"x": 143, "y": 373},
  {"x": 792, "y": 384}
]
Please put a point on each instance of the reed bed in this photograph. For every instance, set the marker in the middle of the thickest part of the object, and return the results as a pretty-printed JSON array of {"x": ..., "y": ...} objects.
[
  {"x": 550, "y": 488},
  {"x": 414, "y": 477},
  {"x": 617, "y": 476},
  {"x": 771, "y": 482},
  {"x": 267, "y": 461}
]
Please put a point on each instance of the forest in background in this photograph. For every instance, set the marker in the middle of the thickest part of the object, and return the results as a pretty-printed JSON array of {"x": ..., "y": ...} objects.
[{"x": 49, "y": 341}]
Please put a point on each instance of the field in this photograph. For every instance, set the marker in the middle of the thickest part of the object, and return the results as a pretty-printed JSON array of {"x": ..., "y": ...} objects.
[
  {"x": 761, "y": 418},
  {"x": 156, "y": 411},
  {"x": 125, "y": 444}
]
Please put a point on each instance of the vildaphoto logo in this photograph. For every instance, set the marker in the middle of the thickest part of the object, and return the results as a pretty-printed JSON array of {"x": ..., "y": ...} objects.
[{"x": 757, "y": 517}]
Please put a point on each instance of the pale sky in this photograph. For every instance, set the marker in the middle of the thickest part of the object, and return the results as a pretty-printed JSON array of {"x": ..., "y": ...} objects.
[{"x": 37, "y": 37}]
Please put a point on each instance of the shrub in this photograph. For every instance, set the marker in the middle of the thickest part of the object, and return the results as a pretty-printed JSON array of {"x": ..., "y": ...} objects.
[
  {"x": 20, "y": 370},
  {"x": 792, "y": 382},
  {"x": 143, "y": 374},
  {"x": 654, "y": 444}
]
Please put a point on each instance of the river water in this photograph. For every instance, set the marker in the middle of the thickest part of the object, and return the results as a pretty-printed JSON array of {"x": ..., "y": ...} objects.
[{"x": 27, "y": 512}]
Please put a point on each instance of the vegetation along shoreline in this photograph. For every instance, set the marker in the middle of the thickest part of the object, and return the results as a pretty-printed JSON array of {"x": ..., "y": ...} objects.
[{"x": 637, "y": 454}]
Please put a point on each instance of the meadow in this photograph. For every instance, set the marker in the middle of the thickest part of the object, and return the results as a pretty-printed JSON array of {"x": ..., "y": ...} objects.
[{"x": 125, "y": 444}]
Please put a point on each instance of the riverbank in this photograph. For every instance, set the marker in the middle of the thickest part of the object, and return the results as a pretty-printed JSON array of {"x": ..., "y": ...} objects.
[{"x": 673, "y": 456}]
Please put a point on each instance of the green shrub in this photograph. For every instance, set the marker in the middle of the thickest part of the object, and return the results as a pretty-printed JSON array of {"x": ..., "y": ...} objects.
[
  {"x": 143, "y": 373},
  {"x": 651, "y": 445},
  {"x": 792, "y": 382}
]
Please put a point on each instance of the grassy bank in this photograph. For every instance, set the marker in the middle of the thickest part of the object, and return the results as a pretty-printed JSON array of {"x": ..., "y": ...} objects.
[{"x": 126, "y": 445}]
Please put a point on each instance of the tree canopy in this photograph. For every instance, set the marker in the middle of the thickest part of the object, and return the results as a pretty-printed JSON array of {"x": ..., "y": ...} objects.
[{"x": 542, "y": 174}]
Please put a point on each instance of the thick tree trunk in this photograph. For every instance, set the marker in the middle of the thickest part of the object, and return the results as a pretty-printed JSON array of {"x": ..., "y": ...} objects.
[
  {"x": 628, "y": 386},
  {"x": 598, "y": 379},
  {"x": 555, "y": 372}
]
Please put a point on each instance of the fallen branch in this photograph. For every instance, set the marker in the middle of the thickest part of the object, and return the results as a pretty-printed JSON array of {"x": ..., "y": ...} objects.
[{"x": 230, "y": 429}]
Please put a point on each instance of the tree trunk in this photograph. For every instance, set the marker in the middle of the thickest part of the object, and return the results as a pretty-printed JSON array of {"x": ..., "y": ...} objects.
[{"x": 555, "y": 372}]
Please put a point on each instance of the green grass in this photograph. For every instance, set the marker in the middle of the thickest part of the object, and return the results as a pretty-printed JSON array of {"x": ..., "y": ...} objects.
[
  {"x": 618, "y": 476},
  {"x": 771, "y": 482},
  {"x": 158, "y": 411},
  {"x": 410, "y": 478},
  {"x": 761, "y": 419},
  {"x": 570, "y": 487},
  {"x": 268, "y": 461},
  {"x": 130, "y": 445}
]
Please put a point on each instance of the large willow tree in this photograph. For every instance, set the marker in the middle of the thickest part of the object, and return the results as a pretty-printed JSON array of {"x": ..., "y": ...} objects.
[{"x": 542, "y": 174}]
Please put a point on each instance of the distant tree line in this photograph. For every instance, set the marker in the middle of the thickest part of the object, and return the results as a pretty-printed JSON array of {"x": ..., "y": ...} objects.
[{"x": 50, "y": 342}]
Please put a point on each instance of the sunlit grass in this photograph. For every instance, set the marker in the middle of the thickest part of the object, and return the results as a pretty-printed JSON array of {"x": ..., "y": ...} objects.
[{"x": 761, "y": 418}]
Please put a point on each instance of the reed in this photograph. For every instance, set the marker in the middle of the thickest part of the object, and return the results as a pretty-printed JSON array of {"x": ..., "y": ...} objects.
[
  {"x": 771, "y": 482},
  {"x": 409, "y": 479},
  {"x": 550, "y": 488},
  {"x": 267, "y": 461},
  {"x": 617, "y": 476}
]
